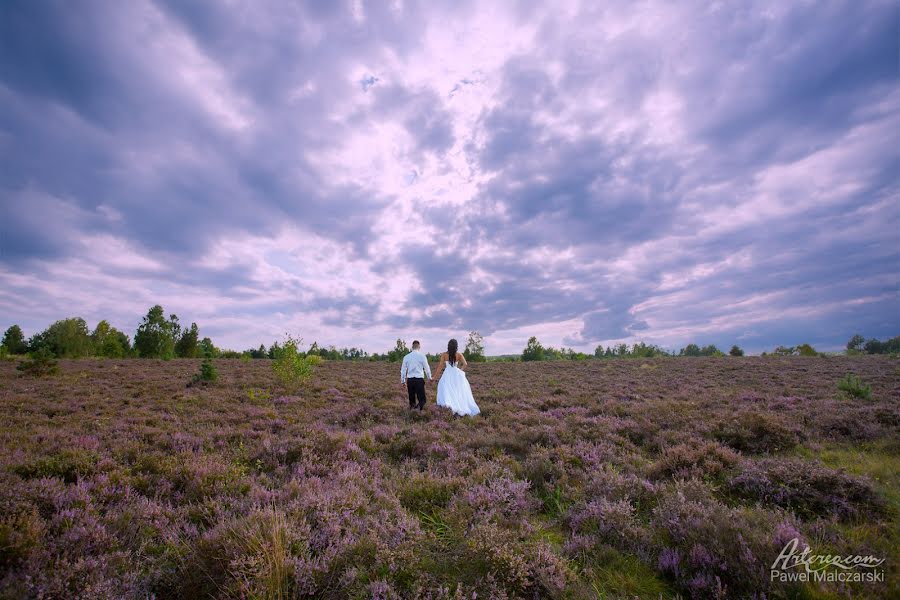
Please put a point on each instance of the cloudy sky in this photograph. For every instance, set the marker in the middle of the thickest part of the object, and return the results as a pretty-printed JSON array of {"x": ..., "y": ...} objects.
[{"x": 596, "y": 172}]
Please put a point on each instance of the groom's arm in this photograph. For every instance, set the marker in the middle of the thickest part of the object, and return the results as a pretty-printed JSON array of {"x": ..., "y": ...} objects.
[
  {"x": 427, "y": 367},
  {"x": 403, "y": 366}
]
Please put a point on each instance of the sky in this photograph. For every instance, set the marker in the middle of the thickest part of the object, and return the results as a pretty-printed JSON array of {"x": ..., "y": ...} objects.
[{"x": 357, "y": 172}]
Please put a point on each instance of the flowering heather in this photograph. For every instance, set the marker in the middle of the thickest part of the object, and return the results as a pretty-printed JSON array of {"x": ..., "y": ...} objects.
[{"x": 647, "y": 478}]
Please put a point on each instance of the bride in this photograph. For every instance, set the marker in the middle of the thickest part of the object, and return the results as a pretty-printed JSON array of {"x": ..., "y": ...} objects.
[{"x": 454, "y": 391}]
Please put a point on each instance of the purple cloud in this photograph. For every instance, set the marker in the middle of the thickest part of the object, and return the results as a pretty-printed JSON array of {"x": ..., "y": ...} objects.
[{"x": 358, "y": 172}]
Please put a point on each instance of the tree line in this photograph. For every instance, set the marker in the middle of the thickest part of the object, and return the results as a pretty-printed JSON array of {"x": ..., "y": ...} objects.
[
  {"x": 534, "y": 350},
  {"x": 163, "y": 337},
  {"x": 157, "y": 336}
]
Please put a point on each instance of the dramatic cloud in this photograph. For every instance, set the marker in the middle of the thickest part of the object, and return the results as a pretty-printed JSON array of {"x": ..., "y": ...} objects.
[{"x": 356, "y": 172}]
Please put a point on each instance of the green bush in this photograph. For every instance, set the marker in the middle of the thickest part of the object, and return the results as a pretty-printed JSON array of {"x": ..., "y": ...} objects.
[
  {"x": 292, "y": 368},
  {"x": 736, "y": 351},
  {"x": 806, "y": 350},
  {"x": 207, "y": 374},
  {"x": 40, "y": 364},
  {"x": 853, "y": 386}
]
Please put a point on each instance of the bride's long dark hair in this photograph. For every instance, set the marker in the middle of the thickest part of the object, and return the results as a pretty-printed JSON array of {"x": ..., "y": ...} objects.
[{"x": 452, "y": 346}]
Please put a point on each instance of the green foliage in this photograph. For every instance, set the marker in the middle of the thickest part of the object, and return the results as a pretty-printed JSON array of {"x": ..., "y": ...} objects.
[
  {"x": 474, "y": 351},
  {"x": 400, "y": 350},
  {"x": 690, "y": 350},
  {"x": 68, "y": 464},
  {"x": 188, "y": 345},
  {"x": 156, "y": 336},
  {"x": 891, "y": 346},
  {"x": 638, "y": 350},
  {"x": 207, "y": 348},
  {"x": 67, "y": 338},
  {"x": 109, "y": 341},
  {"x": 40, "y": 364},
  {"x": 291, "y": 367},
  {"x": 784, "y": 351},
  {"x": 14, "y": 341},
  {"x": 854, "y": 386},
  {"x": 642, "y": 350},
  {"x": 534, "y": 350},
  {"x": 207, "y": 374},
  {"x": 806, "y": 350},
  {"x": 735, "y": 351},
  {"x": 695, "y": 350}
]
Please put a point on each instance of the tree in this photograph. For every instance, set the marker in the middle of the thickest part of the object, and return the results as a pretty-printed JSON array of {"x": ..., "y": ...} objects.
[
  {"x": 856, "y": 343},
  {"x": 711, "y": 350},
  {"x": 690, "y": 350},
  {"x": 109, "y": 341},
  {"x": 188, "y": 345},
  {"x": 400, "y": 350},
  {"x": 207, "y": 349},
  {"x": 14, "y": 340},
  {"x": 735, "y": 351},
  {"x": 67, "y": 338},
  {"x": 155, "y": 337},
  {"x": 533, "y": 350},
  {"x": 474, "y": 351},
  {"x": 784, "y": 351}
]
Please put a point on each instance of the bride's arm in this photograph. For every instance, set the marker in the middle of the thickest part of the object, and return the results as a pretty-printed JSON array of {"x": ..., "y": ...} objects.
[
  {"x": 440, "y": 369},
  {"x": 460, "y": 357}
]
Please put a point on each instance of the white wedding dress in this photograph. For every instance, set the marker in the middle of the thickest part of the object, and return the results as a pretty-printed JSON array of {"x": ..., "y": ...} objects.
[{"x": 455, "y": 393}]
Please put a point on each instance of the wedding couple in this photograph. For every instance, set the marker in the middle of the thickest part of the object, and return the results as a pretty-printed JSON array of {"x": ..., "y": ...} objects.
[{"x": 453, "y": 390}]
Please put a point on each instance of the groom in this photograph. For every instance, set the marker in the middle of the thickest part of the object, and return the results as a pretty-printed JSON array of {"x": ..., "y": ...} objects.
[{"x": 412, "y": 375}]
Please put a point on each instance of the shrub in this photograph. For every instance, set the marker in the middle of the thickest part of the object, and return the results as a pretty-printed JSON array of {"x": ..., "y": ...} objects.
[
  {"x": 68, "y": 464},
  {"x": 807, "y": 488},
  {"x": 701, "y": 460},
  {"x": 291, "y": 368},
  {"x": 207, "y": 374},
  {"x": 736, "y": 351},
  {"x": 853, "y": 386},
  {"x": 806, "y": 350},
  {"x": 713, "y": 551},
  {"x": 253, "y": 556},
  {"x": 423, "y": 495},
  {"x": 756, "y": 432},
  {"x": 600, "y": 522},
  {"x": 40, "y": 364}
]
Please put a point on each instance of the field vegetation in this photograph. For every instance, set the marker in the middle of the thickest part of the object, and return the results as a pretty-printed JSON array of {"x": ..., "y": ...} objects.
[{"x": 651, "y": 477}]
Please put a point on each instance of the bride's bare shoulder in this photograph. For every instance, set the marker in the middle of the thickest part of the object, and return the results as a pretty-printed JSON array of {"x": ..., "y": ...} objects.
[{"x": 444, "y": 356}]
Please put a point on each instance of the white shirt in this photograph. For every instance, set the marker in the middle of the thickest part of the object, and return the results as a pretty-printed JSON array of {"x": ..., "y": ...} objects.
[{"x": 414, "y": 365}]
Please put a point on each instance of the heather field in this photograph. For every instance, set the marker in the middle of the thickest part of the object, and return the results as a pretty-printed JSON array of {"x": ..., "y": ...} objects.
[{"x": 651, "y": 478}]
